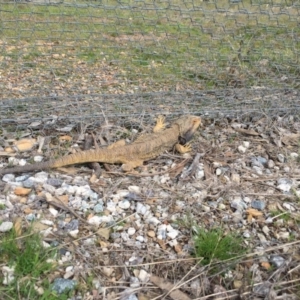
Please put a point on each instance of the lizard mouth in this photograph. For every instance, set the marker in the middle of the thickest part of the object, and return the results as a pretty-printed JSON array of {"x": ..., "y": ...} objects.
[{"x": 186, "y": 137}]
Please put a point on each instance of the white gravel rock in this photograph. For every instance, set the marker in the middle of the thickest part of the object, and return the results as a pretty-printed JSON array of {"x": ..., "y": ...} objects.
[
  {"x": 131, "y": 231},
  {"x": 6, "y": 226},
  {"x": 294, "y": 155},
  {"x": 41, "y": 177},
  {"x": 8, "y": 273},
  {"x": 284, "y": 184},
  {"x": 53, "y": 211},
  {"x": 95, "y": 220},
  {"x": 271, "y": 164},
  {"x": 111, "y": 206},
  {"x": 280, "y": 158},
  {"x": 143, "y": 276},
  {"x": 47, "y": 222},
  {"x": 246, "y": 144},
  {"x": 140, "y": 238},
  {"x": 8, "y": 178},
  {"x": 38, "y": 158},
  {"x": 134, "y": 189},
  {"x": 289, "y": 206},
  {"x": 242, "y": 149},
  {"x": 173, "y": 233},
  {"x": 124, "y": 204},
  {"x": 141, "y": 208}
]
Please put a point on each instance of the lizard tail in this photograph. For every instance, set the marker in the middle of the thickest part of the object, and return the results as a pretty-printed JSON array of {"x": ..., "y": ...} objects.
[
  {"x": 76, "y": 158},
  {"x": 27, "y": 168}
]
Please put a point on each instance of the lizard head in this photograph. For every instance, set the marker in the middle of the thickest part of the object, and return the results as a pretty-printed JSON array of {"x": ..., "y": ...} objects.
[{"x": 187, "y": 126}]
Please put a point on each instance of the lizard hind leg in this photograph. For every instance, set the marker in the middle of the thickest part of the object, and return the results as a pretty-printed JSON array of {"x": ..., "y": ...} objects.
[
  {"x": 129, "y": 166},
  {"x": 117, "y": 144},
  {"x": 160, "y": 124}
]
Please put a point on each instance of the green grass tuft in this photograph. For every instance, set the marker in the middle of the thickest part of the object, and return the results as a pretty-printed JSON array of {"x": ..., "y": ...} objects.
[{"x": 215, "y": 245}]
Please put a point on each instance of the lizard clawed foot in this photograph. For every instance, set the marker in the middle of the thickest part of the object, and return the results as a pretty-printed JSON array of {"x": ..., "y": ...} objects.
[
  {"x": 184, "y": 148},
  {"x": 160, "y": 124}
]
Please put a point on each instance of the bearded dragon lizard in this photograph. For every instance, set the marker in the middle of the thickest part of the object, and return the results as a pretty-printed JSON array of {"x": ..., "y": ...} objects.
[{"x": 145, "y": 147}]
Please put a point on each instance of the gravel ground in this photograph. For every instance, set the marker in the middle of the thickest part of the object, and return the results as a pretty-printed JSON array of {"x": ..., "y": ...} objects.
[{"x": 133, "y": 232}]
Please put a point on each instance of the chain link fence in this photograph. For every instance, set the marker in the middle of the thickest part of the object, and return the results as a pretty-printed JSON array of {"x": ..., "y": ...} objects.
[{"x": 83, "y": 60}]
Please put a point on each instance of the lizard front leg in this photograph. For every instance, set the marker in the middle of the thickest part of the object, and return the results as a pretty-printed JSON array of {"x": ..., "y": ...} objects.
[
  {"x": 130, "y": 165},
  {"x": 183, "y": 148},
  {"x": 160, "y": 124}
]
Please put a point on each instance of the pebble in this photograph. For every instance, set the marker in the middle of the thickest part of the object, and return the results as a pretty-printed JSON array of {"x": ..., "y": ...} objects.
[
  {"x": 141, "y": 208},
  {"x": 288, "y": 206},
  {"x": 98, "y": 208},
  {"x": 40, "y": 177},
  {"x": 131, "y": 231},
  {"x": 140, "y": 238},
  {"x": 277, "y": 260},
  {"x": 271, "y": 164},
  {"x": 61, "y": 285},
  {"x": 258, "y": 204},
  {"x": 242, "y": 149},
  {"x": 284, "y": 184},
  {"x": 53, "y": 211},
  {"x": 294, "y": 155},
  {"x": 6, "y": 226},
  {"x": 258, "y": 170},
  {"x": 134, "y": 189},
  {"x": 55, "y": 182},
  {"x": 143, "y": 276},
  {"x": 134, "y": 282},
  {"x": 8, "y": 178},
  {"x": 238, "y": 204},
  {"x": 235, "y": 178},
  {"x": 38, "y": 158},
  {"x": 124, "y": 204},
  {"x": 246, "y": 144},
  {"x": 281, "y": 158}
]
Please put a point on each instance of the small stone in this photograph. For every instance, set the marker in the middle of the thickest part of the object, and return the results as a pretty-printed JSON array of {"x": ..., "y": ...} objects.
[
  {"x": 143, "y": 276},
  {"x": 238, "y": 204},
  {"x": 218, "y": 171},
  {"x": 53, "y": 211},
  {"x": 258, "y": 204},
  {"x": 284, "y": 184},
  {"x": 6, "y": 226},
  {"x": 265, "y": 230},
  {"x": 55, "y": 182},
  {"x": 271, "y": 164},
  {"x": 246, "y": 144},
  {"x": 8, "y": 178},
  {"x": 134, "y": 189},
  {"x": 258, "y": 170},
  {"x": 140, "y": 238},
  {"x": 131, "y": 231},
  {"x": 61, "y": 285},
  {"x": 172, "y": 234},
  {"x": 246, "y": 234},
  {"x": 95, "y": 220},
  {"x": 74, "y": 233},
  {"x": 141, "y": 208},
  {"x": 284, "y": 235},
  {"x": 134, "y": 282},
  {"x": 277, "y": 260},
  {"x": 151, "y": 233},
  {"x": 124, "y": 204},
  {"x": 8, "y": 273},
  {"x": 294, "y": 155},
  {"x": 280, "y": 158},
  {"x": 38, "y": 158},
  {"x": 242, "y": 149},
  {"x": 288, "y": 206},
  {"x": 98, "y": 208}
]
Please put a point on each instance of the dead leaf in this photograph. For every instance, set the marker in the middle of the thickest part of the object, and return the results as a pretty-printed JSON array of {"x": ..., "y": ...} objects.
[
  {"x": 247, "y": 131},
  {"x": 18, "y": 226},
  {"x": 172, "y": 290},
  {"x": 65, "y": 138},
  {"x": 254, "y": 212},
  {"x": 104, "y": 233}
]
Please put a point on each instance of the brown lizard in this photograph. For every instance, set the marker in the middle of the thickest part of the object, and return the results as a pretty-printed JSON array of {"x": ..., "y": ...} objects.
[{"x": 145, "y": 147}]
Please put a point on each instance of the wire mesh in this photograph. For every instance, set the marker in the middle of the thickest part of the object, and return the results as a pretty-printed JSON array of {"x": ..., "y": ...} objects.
[{"x": 84, "y": 59}]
